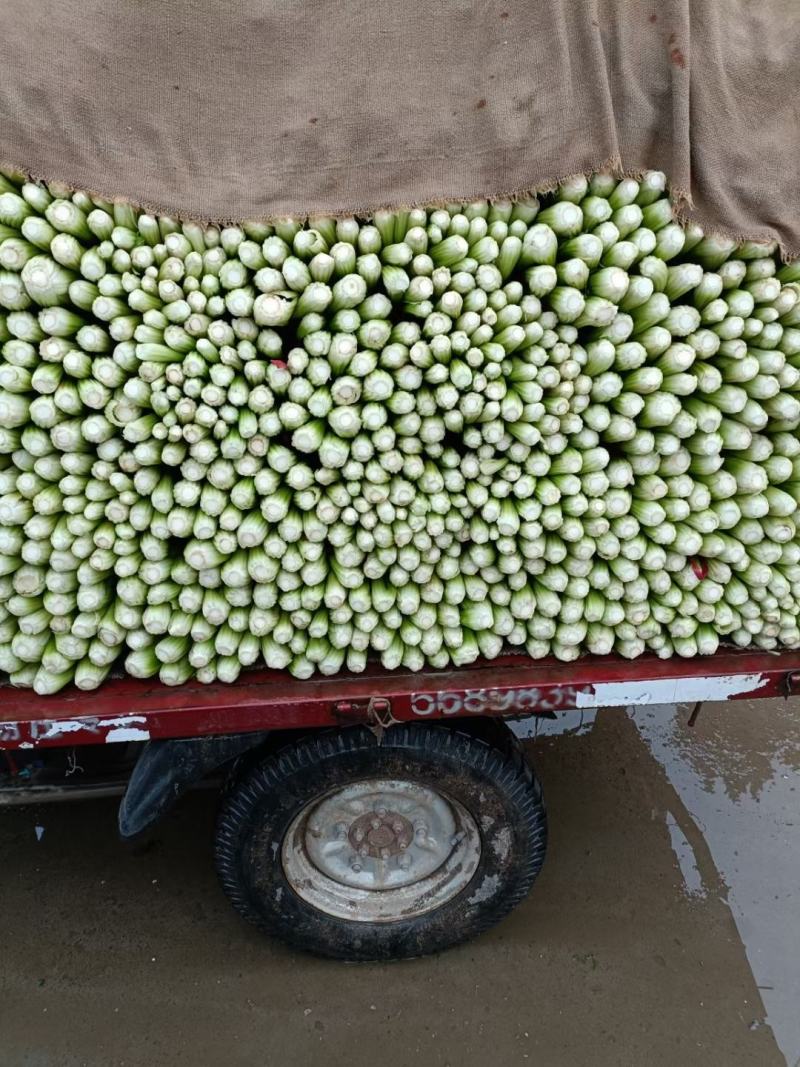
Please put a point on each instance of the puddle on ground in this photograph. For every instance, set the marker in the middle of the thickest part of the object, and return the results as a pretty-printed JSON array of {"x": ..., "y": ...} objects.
[
  {"x": 692, "y": 879},
  {"x": 577, "y": 721},
  {"x": 739, "y": 745},
  {"x": 737, "y": 773}
]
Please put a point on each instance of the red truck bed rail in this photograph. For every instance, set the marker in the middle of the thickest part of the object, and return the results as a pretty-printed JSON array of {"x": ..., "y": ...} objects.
[{"x": 127, "y": 709}]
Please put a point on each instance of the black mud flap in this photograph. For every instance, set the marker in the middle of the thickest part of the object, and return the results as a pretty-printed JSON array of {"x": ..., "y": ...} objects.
[{"x": 165, "y": 770}]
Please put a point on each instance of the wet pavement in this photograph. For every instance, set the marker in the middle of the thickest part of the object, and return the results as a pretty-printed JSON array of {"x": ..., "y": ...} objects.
[
  {"x": 742, "y": 792},
  {"x": 664, "y": 928}
]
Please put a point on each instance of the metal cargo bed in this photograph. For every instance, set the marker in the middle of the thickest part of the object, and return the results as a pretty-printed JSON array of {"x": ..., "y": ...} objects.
[{"x": 511, "y": 686}]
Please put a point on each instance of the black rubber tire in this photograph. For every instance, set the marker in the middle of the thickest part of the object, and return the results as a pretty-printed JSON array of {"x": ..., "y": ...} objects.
[{"x": 496, "y": 785}]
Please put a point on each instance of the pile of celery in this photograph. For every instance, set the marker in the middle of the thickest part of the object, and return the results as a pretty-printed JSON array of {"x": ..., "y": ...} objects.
[{"x": 566, "y": 426}]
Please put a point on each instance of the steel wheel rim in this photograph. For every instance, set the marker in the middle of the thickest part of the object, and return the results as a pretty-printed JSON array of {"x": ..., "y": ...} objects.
[{"x": 380, "y": 850}]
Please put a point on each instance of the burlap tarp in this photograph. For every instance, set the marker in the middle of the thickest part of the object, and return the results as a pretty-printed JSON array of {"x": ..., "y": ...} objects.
[{"x": 259, "y": 108}]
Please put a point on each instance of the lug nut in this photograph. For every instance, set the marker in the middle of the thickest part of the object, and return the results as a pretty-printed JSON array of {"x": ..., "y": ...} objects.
[
  {"x": 380, "y": 810},
  {"x": 376, "y": 824},
  {"x": 363, "y": 851},
  {"x": 385, "y": 853},
  {"x": 397, "y": 826},
  {"x": 356, "y": 865},
  {"x": 359, "y": 834}
]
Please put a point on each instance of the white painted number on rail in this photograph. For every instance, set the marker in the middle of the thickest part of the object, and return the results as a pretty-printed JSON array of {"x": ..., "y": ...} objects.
[{"x": 494, "y": 701}]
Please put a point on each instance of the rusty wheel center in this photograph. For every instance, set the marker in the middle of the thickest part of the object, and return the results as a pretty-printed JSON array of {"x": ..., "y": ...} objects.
[
  {"x": 381, "y": 850},
  {"x": 380, "y": 834}
]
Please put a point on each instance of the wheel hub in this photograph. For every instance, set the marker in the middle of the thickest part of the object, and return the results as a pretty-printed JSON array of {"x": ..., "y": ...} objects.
[
  {"x": 380, "y": 835},
  {"x": 381, "y": 850}
]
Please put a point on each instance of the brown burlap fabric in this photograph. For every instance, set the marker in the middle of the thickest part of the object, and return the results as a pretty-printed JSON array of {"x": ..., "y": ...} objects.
[{"x": 257, "y": 108}]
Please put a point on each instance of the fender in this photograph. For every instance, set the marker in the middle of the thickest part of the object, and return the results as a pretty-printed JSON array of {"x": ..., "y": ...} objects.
[{"x": 166, "y": 769}]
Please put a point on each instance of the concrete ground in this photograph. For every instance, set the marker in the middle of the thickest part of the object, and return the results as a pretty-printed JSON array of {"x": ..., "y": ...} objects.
[{"x": 665, "y": 928}]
